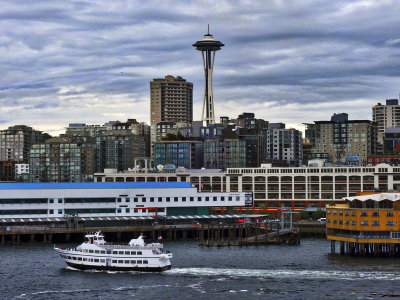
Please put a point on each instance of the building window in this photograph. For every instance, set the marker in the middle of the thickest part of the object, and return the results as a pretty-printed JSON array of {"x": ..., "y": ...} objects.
[
  {"x": 60, "y": 200},
  {"x": 375, "y": 214},
  {"x": 51, "y": 200},
  {"x": 175, "y": 199},
  {"x": 389, "y": 214},
  {"x": 199, "y": 199},
  {"x": 364, "y": 214},
  {"x": 159, "y": 199},
  {"x": 207, "y": 198},
  {"x": 229, "y": 198},
  {"x": 151, "y": 199},
  {"x": 168, "y": 199},
  {"x": 143, "y": 199},
  {"x": 119, "y": 200},
  {"x": 389, "y": 223},
  {"x": 118, "y": 210},
  {"x": 375, "y": 223},
  {"x": 191, "y": 199},
  {"x": 135, "y": 199},
  {"x": 214, "y": 198},
  {"x": 353, "y": 213},
  {"x": 364, "y": 223},
  {"x": 127, "y": 200},
  {"x": 127, "y": 210},
  {"x": 60, "y": 211},
  {"x": 51, "y": 211},
  {"x": 353, "y": 223}
]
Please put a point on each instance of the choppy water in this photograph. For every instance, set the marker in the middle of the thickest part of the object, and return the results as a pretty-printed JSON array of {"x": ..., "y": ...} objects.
[{"x": 306, "y": 271}]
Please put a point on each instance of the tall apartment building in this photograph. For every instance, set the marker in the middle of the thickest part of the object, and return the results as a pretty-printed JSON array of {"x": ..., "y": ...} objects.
[
  {"x": 61, "y": 160},
  {"x": 340, "y": 139},
  {"x": 386, "y": 116},
  {"x": 284, "y": 144},
  {"x": 16, "y": 141},
  {"x": 171, "y": 99}
]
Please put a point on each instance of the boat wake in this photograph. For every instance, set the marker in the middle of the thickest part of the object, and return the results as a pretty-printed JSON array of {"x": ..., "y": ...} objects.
[{"x": 281, "y": 274}]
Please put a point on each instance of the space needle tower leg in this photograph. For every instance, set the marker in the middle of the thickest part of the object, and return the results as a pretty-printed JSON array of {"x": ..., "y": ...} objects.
[{"x": 208, "y": 46}]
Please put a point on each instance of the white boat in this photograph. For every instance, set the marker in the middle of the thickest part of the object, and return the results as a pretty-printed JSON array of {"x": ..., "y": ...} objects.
[{"x": 96, "y": 254}]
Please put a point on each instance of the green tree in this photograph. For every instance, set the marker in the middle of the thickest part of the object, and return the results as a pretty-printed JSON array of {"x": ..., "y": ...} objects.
[
  {"x": 319, "y": 213},
  {"x": 304, "y": 214}
]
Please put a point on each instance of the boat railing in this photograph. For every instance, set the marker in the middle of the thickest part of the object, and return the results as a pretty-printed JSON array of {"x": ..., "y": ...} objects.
[{"x": 146, "y": 247}]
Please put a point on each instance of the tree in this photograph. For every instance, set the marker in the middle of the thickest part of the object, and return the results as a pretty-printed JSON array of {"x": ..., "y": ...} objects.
[{"x": 319, "y": 213}]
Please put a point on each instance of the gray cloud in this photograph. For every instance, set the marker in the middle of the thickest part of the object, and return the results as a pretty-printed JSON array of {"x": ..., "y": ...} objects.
[{"x": 289, "y": 62}]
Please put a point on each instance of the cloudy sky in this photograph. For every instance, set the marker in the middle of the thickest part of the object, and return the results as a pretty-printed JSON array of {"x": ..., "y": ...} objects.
[{"x": 92, "y": 61}]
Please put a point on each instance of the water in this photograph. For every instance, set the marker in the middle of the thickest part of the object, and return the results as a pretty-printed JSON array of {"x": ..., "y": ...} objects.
[{"x": 306, "y": 271}]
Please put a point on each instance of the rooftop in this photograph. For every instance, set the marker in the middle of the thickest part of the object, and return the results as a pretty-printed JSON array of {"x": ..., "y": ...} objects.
[{"x": 94, "y": 185}]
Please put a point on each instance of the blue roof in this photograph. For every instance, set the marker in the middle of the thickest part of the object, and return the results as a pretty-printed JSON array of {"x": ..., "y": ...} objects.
[{"x": 94, "y": 185}]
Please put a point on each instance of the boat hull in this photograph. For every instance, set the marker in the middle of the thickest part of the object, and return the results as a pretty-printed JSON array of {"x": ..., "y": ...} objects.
[{"x": 112, "y": 268}]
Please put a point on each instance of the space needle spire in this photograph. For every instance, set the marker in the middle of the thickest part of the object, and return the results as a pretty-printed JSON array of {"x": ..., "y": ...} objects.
[{"x": 208, "y": 46}]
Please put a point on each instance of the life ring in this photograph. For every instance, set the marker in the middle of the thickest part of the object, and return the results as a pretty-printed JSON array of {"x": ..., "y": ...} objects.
[{"x": 95, "y": 243}]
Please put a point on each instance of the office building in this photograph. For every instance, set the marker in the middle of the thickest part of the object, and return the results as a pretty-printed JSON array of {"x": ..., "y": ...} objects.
[{"x": 187, "y": 154}]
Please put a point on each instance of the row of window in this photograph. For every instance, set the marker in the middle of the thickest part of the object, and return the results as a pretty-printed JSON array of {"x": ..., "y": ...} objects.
[
  {"x": 176, "y": 199},
  {"x": 362, "y": 214},
  {"x": 362, "y": 223},
  {"x": 133, "y": 262},
  {"x": 118, "y": 252}
]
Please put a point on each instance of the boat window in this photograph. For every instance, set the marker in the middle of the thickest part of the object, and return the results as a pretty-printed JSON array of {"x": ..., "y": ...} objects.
[
  {"x": 133, "y": 252},
  {"x": 90, "y": 251},
  {"x": 96, "y": 251},
  {"x": 127, "y": 261},
  {"x": 96, "y": 260},
  {"x": 127, "y": 252},
  {"x": 121, "y": 252},
  {"x": 114, "y": 261},
  {"x": 139, "y": 261},
  {"x": 120, "y": 261},
  {"x": 102, "y": 260},
  {"x": 115, "y": 252},
  {"x": 139, "y": 253},
  {"x": 103, "y": 251},
  {"x": 133, "y": 262},
  {"x": 79, "y": 258},
  {"x": 85, "y": 259},
  {"x": 145, "y": 262},
  {"x": 73, "y": 257}
]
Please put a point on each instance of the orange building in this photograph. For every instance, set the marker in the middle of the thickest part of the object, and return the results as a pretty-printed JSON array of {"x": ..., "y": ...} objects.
[{"x": 365, "y": 225}]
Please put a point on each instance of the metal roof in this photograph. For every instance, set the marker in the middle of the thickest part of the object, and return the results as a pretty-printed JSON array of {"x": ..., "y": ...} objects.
[
  {"x": 93, "y": 185},
  {"x": 376, "y": 197}
]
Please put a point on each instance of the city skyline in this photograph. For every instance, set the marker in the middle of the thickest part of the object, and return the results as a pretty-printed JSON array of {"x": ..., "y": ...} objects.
[{"x": 92, "y": 62}]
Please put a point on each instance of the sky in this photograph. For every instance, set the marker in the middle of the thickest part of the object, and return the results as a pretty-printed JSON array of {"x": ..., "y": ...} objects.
[{"x": 294, "y": 62}]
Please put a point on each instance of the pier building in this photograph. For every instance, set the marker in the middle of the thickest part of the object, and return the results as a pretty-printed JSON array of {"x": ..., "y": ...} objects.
[
  {"x": 365, "y": 225},
  {"x": 109, "y": 199},
  {"x": 298, "y": 188}
]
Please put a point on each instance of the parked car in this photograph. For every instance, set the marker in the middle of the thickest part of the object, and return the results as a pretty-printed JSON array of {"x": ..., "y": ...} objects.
[{"x": 322, "y": 220}]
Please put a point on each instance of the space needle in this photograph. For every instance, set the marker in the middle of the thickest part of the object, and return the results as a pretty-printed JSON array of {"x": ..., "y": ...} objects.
[{"x": 208, "y": 46}]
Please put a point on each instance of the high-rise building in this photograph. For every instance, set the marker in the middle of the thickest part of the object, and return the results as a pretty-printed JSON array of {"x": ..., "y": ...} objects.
[
  {"x": 284, "y": 144},
  {"x": 208, "y": 46},
  {"x": 16, "y": 141},
  {"x": 386, "y": 116},
  {"x": 61, "y": 159},
  {"x": 171, "y": 100}
]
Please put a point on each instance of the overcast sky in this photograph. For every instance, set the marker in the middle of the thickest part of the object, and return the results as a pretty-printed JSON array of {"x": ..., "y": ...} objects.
[{"x": 91, "y": 62}]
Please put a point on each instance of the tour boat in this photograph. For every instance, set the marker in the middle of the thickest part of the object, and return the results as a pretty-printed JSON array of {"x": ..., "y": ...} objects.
[{"x": 96, "y": 254}]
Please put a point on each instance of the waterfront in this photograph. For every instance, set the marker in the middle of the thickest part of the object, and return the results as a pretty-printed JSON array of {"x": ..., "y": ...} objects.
[{"x": 34, "y": 271}]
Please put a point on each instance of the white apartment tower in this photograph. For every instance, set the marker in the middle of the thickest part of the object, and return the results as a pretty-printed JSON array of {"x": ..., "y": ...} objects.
[{"x": 386, "y": 116}]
